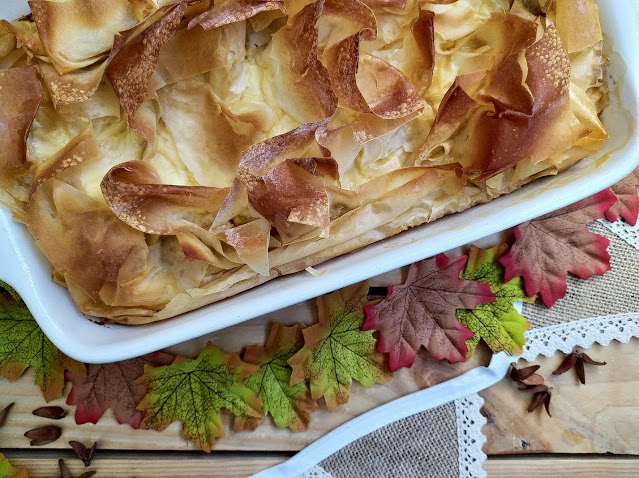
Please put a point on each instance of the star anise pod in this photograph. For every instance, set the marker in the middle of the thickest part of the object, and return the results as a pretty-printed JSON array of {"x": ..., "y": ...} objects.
[
  {"x": 576, "y": 360},
  {"x": 532, "y": 383},
  {"x": 526, "y": 375},
  {"x": 85, "y": 454},
  {"x": 542, "y": 396}
]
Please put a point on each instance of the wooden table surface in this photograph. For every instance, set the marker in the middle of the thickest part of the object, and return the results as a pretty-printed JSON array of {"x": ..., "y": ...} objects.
[{"x": 594, "y": 430}]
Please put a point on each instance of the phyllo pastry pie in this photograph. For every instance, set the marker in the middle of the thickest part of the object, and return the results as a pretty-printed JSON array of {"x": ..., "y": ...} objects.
[{"x": 168, "y": 154}]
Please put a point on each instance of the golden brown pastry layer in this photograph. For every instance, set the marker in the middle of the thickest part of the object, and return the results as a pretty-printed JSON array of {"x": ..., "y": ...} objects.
[{"x": 169, "y": 154}]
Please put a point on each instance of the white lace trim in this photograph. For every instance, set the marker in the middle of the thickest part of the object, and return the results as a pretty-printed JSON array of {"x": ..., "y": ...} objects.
[
  {"x": 625, "y": 231},
  {"x": 580, "y": 333},
  {"x": 316, "y": 472},
  {"x": 470, "y": 439}
]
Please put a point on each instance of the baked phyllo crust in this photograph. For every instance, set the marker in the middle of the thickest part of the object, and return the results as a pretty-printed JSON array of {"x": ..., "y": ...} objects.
[{"x": 168, "y": 154}]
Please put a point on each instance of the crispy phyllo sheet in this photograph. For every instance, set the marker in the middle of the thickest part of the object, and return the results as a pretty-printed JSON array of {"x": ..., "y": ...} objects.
[
  {"x": 167, "y": 154},
  {"x": 20, "y": 96}
]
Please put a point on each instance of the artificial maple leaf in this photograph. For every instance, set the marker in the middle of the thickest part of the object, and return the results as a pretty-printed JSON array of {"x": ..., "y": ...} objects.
[
  {"x": 23, "y": 345},
  {"x": 548, "y": 248},
  {"x": 497, "y": 322},
  {"x": 112, "y": 386},
  {"x": 290, "y": 405},
  {"x": 422, "y": 312},
  {"x": 195, "y": 391},
  {"x": 336, "y": 351},
  {"x": 627, "y": 205},
  {"x": 7, "y": 471},
  {"x": 577, "y": 360},
  {"x": 9, "y": 289}
]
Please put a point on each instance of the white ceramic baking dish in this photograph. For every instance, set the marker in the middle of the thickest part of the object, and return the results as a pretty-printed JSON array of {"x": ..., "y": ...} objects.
[{"x": 25, "y": 268}]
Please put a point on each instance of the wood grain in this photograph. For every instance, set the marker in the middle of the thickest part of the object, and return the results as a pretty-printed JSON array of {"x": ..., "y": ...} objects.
[
  {"x": 228, "y": 465},
  {"x": 564, "y": 467},
  {"x": 267, "y": 437},
  {"x": 243, "y": 465},
  {"x": 599, "y": 417}
]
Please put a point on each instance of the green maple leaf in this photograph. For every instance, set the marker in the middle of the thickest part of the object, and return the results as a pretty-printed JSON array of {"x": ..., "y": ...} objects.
[
  {"x": 336, "y": 351},
  {"x": 195, "y": 391},
  {"x": 23, "y": 345},
  {"x": 497, "y": 322},
  {"x": 9, "y": 289},
  {"x": 7, "y": 471},
  {"x": 290, "y": 405}
]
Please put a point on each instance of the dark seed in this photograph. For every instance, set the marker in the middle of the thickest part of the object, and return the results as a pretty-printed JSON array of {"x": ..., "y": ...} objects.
[
  {"x": 87, "y": 474},
  {"x": 535, "y": 389},
  {"x": 526, "y": 372},
  {"x": 92, "y": 452},
  {"x": 534, "y": 379},
  {"x": 80, "y": 450},
  {"x": 64, "y": 471},
  {"x": 83, "y": 452},
  {"x": 537, "y": 401},
  {"x": 54, "y": 413},
  {"x": 566, "y": 365},
  {"x": 43, "y": 435},
  {"x": 579, "y": 368},
  {"x": 547, "y": 404},
  {"x": 587, "y": 359},
  {"x": 5, "y": 411}
]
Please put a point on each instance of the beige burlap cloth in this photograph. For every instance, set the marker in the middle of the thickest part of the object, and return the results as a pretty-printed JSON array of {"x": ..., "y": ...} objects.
[
  {"x": 422, "y": 445},
  {"x": 428, "y": 444}
]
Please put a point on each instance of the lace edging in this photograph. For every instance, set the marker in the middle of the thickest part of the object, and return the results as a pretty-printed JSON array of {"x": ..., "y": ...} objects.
[
  {"x": 470, "y": 438},
  {"x": 580, "y": 333},
  {"x": 623, "y": 230}
]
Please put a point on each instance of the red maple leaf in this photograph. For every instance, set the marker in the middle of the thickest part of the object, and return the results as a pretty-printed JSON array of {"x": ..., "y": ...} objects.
[
  {"x": 627, "y": 205},
  {"x": 111, "y": 386},
  {"x": 422, "y": 312},
  {"x": 548, "y": 248}
]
